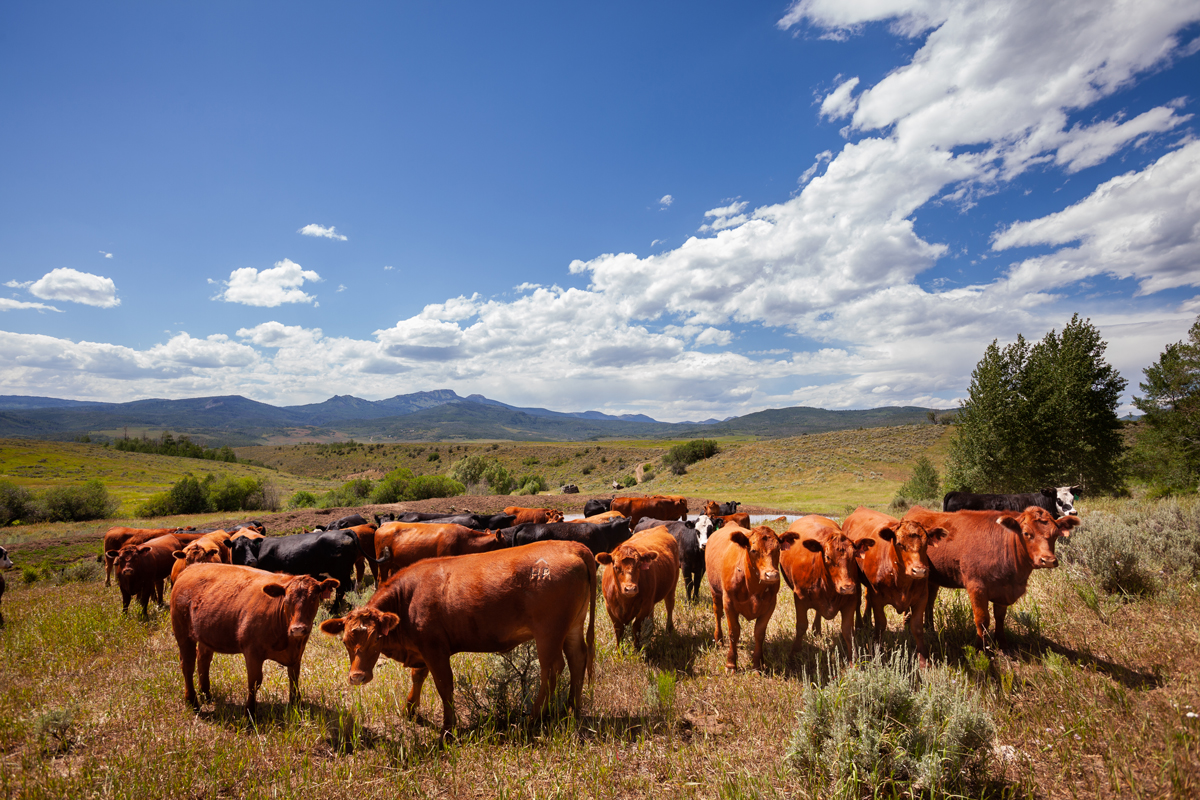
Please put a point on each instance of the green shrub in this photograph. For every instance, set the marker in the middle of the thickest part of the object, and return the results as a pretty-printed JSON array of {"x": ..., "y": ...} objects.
[
  {"x": 16, "y": 503},
  {"x": 531, "y": 484},
  {"x": 393, "y": 488},
  {"x": 691, "y": 452},
  {"x": 498, "y": 478},
  {"x": 424, "y": 487},
  {"x": 884, "y": 728},
  {"x": 74, "y": 503},
  {"x": 303, "y": 499},
  {"x": 923, "y": 485},
  {"x": 435, "y": 456},
  {"x": 469, "y": 471},
  {"x": 629, "y": 482},
  {"x": 230, "y": 493},
  {"x": 157, "y": 505},
  {"x": 187, "y": 496}
]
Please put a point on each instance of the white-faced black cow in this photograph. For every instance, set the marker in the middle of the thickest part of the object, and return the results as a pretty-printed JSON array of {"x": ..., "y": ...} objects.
[{"x": 1059, "y": 501}]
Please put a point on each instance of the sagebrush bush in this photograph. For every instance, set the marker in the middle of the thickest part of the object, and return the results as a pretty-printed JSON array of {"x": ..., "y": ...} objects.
[
  {"x": 16, "y": 503},
  {"x": 75, "y": 503},
  {"x": 1139, "y": 549},
  {"x": 424, "y": 487},
  {"x": 885, "y": 727},
  {"x": 691, "y": 452}
]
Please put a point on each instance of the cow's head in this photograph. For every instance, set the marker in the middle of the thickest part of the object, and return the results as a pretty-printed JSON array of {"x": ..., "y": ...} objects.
[
  {"x": 362, "y": 631},
  {"x": 762, "y": 548},
  {"x": 841, "y": 559},
  {"x": 125, "y": 560},
  {"x": 554, "y": 515},
  {"x": 5, "y": 561},
  {"x": 704, "y": 528},
  {"x": 302, "y": 597},
  {"x": 245, "y": 551},
  {"x": 910, "y": 540},
  {"x": 1039, "y": 530},
  {"x": 627, "y": 564},
  {"x": 712, "y": 508},
  {"x": 200, "y": 552},
  {"x": 1064, "y": 499}
]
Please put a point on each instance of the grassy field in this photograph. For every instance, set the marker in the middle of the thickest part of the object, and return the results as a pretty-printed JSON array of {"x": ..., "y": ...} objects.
[
  {"x": 130, "y": 477},
  {"x": 1092, "y": 700}
]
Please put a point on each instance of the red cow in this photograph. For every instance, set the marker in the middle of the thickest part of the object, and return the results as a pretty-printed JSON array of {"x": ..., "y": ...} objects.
[
  {"x": 743, "y": 573},
  {"x": 665, "y": 507},
  {"x": 116, "y": 538},
  {"x": 211, "y": 548},
  {"x": 542, "y": 515},
  {"x": 596, "y": 519},
  {"x": 741, "y": 519},
  {"x": 480, "y": 603},
  {"x": 823, "y": 575},
  {"x": 895, "y": 570},
  {"x": 399, "y": 544},
  {"x": 142, "y": 568},
  {"x": 641, "y": 572},
  {"x": 222, "y": 608},
  {"x": 991, "y": 554},
  {"x": 247, "y": 533}
]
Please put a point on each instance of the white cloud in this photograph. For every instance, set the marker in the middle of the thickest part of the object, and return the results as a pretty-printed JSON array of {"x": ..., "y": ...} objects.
[
  {"x": 269, "y": 288},
  {"x": 19, "y": 284},
  {"x": 74, "y": 286},
  {"x": 666, "y": 200},
  {"x": 726, "y": 216},
  {"x": 13, "y": 305},
  {"x": 214, "y": 351},
  {"x": 321, "y": 231},
  {"x": 276, "y": 334},
  {"x": 839, "y": 103},
  {"x": 388, "y": 268},
  {"x": 106, "y": 255},
  {"x": 341, "y": 287}
]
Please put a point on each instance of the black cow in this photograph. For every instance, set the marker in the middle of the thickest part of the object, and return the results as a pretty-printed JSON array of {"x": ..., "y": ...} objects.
[
  {"x": 691, "y": 556},
  {"x": 599, "y": 538},
  {"x": 480, "y": 522},
  {"x": 593, "y": 507},
  {"x": 1059, "y": 501},
  {"x": 728, "y": 508},
  {"x": 319, "y": 553},
  {"x": 5, "y": 563},
  {"x": 351, "y": 521}
]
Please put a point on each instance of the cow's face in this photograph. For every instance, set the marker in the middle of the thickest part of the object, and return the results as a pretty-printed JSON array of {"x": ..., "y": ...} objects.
[
  {"x": 1039, "y": 530},
  {"x": 704, "y": 528},
  {"x": 126, "y": 559},
  {"x": 245, "y": 551},
  {"x": 363, "y": 631},
  {"x": 627, "y": 564},
  {"x": 840, "y": 556},
  {"x": 1064, "y": 499},
  {"x": 554, "y": 516},
  {"x": 910, "y": 541},
  {"x": 5, "y": 561},
  {"x": 202, "y": 552},
  {"x": 302, "y": 598},
  {"x": 712, "y": 509},
  {"x": 762, "y": 548}
]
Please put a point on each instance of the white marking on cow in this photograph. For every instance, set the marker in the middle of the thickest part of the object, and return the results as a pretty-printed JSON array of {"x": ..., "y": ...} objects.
[
  {"x": 1065, "y": 500},
  {"x": 704, "y": 527}
]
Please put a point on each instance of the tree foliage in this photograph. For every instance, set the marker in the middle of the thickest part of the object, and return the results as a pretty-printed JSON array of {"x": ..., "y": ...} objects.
[
  {"x": 924, "y": 482},
  {"x": 1040, "y": 415},
  {"x": 1168, "y": 450}
]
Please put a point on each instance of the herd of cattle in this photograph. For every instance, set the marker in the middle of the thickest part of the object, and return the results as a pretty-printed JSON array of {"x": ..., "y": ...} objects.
[{"x": 488, "y": 582}]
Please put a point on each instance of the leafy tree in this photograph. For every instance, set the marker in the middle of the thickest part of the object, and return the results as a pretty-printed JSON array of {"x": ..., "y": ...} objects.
[
  {"x": 498, "y": 478},
  {"x": 393, "y": 487},
  {"x": 187, "y": 496},
  {"x": 1168, "y": 451},
  {"x": 924, "y": 482},
  {"x": 1040, "y": 415},
  {"x": 302, "y": 499},
  {"x": 424, "y": 487},
  {"x": 469, "y": 471}
]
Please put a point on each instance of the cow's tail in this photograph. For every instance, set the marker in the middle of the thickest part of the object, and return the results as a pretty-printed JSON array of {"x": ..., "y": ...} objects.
[{"x": 591, "y": 632}]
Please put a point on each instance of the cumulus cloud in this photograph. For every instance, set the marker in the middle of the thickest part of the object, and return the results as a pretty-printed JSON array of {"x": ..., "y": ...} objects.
[
  {"x": 18, "y": 284},
  {"x": 666, "y": 200},
  {"x": 106, "y": 255},
  {"x": 13, "y": 305},
  {"x": 270, "y": 287},
  {"x": 321, "y": 231},
  {"x": 74, "y": 286},
  {"x": 839, "y": 103},
  {"x": 725, "y": 217}
]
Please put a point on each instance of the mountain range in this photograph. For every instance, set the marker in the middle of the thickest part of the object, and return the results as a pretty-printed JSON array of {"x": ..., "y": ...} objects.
[{"x": 437, "y": 415}]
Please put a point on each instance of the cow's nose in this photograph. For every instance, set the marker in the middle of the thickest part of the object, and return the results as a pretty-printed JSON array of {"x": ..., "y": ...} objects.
[
  {"x": 296, "y": 631},
  {"x": 1049, "y": 562},
  {"x": 919, "y": 572},
  {"x": 770, "y": 576},
  {"x": 629, "y": 589},
  {"x": 359, "y": 678},
  {"x": 846, "y": 588}
]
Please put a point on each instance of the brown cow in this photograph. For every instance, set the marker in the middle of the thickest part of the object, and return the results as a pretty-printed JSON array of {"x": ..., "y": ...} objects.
[
  {"x": 398, "y": 544},
  {"x": 596, "y": 519},
  {"x": 542, "y": 515},
  {"x": 142, "y": 568},
  {"x": 665, "y": 507},
  {"x": 743, "y": 573},
  {"x": 223, "y": 608},
  {"x": 118, "y": 537},
  {"x": 481, "y": 603},
  {"x": 991, "y": 554},
  {"x": 895, "y": 570},
  {"x": 211, "y": 548},
  {"x": 641, "y": 571},
  {"x": 823, "y": 575},
  {"x": 246, "y": 533},
  {"x": 741, "y": 519}
]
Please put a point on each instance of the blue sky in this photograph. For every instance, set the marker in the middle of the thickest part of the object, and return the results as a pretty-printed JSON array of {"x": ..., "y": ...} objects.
[{"x": 686, "y": 210}]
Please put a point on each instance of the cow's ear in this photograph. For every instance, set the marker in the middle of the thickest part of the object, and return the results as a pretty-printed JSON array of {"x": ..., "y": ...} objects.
[
  {"x": 788, "y": 539},
  {"x": 274, "y": 590},
  {"x": 645, "y": 559},
  {"x": 333, "y": 627},
  {"x": 145, "y": 549},
  {"x": 603, "y": 558},
  {"x": 328, "y": 586},
  {"x": 887, "y": 534},
  {"x": 813, "y": 545},
  {"x": 179, "y": 554},
  {"x": 739, "y": 538},
  {"x": 862, "y": 546},
  {"x": 111, "y": 554},
  {"x": 1066, "y": 523},
  {"x": 1075, "y": 489},
  {"x": 936, "y": 535},
  {"x": 389, "y": 621},
  {"x": 1012, "y": 523}
]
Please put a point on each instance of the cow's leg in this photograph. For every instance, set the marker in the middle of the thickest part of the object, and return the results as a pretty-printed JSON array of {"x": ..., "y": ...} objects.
[
  {"x": 294, "y": 679},
  {"x": 187, "y": 665},
  {"x": 254, "y": 678},
  {"x": 126, "y": 596},
  {"x": 916, "y": 626},
  {"x": 929, "y": 600},
  {"x": 618, "y": 626},
  {"x": 979, "y": 609},
  {"x": 550, "y": 657},
  {"x": 1001, "y": 610},
  {"x": 443, "y": 679},
  {"x": 718, "y": 610},
  {"x": 144, "y": 599},
  {"x": 108, "y": 566},
  {"x": 876, "y": 610},
  {"x": 760, "y": 634},
  {"x": 735, "y": 634},
  {"x": 670, "y": 603},
  {"x": 848, "y": 630},
  {"x": 637, "y": 632},
  {"x": 575, "y": 651},
  {"x": 158, "y": 591},
  {"x": 413, "y": 700},
  {"x": 360, "y": 565},
  {"x": 816, "y": 623},
  {"x": 801, "y": 624},
  {"x": 205, "y": 661}
]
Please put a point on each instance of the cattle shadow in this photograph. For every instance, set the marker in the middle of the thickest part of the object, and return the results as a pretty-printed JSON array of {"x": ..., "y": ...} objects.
[{"x": 677, "y": 651}]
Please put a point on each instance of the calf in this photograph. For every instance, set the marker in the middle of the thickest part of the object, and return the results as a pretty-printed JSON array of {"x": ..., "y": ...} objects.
[
  {"x": 641, "y": 572},
  {"x": 5, "y": 563},
  {"x": 895, "y": 569},
  {"x": 319, "y": 554},
  {"x": 603, "y": 516},
  {"x": 739, "y": 519},
  {"x": 823, "y": 575},
  {"x": 691, "y": 554},
  {"x": 743, "y": 573},
  {"x": 540, "y": 515},
  {"x": 599, "y": 538},
  {"x": 222, "y": 608},
  {"x": 142, "y": 568},
  {"x": 990, "y": 554},
  {"x": 480, "y": 603},
  {"x": 399, "y": 544}
]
